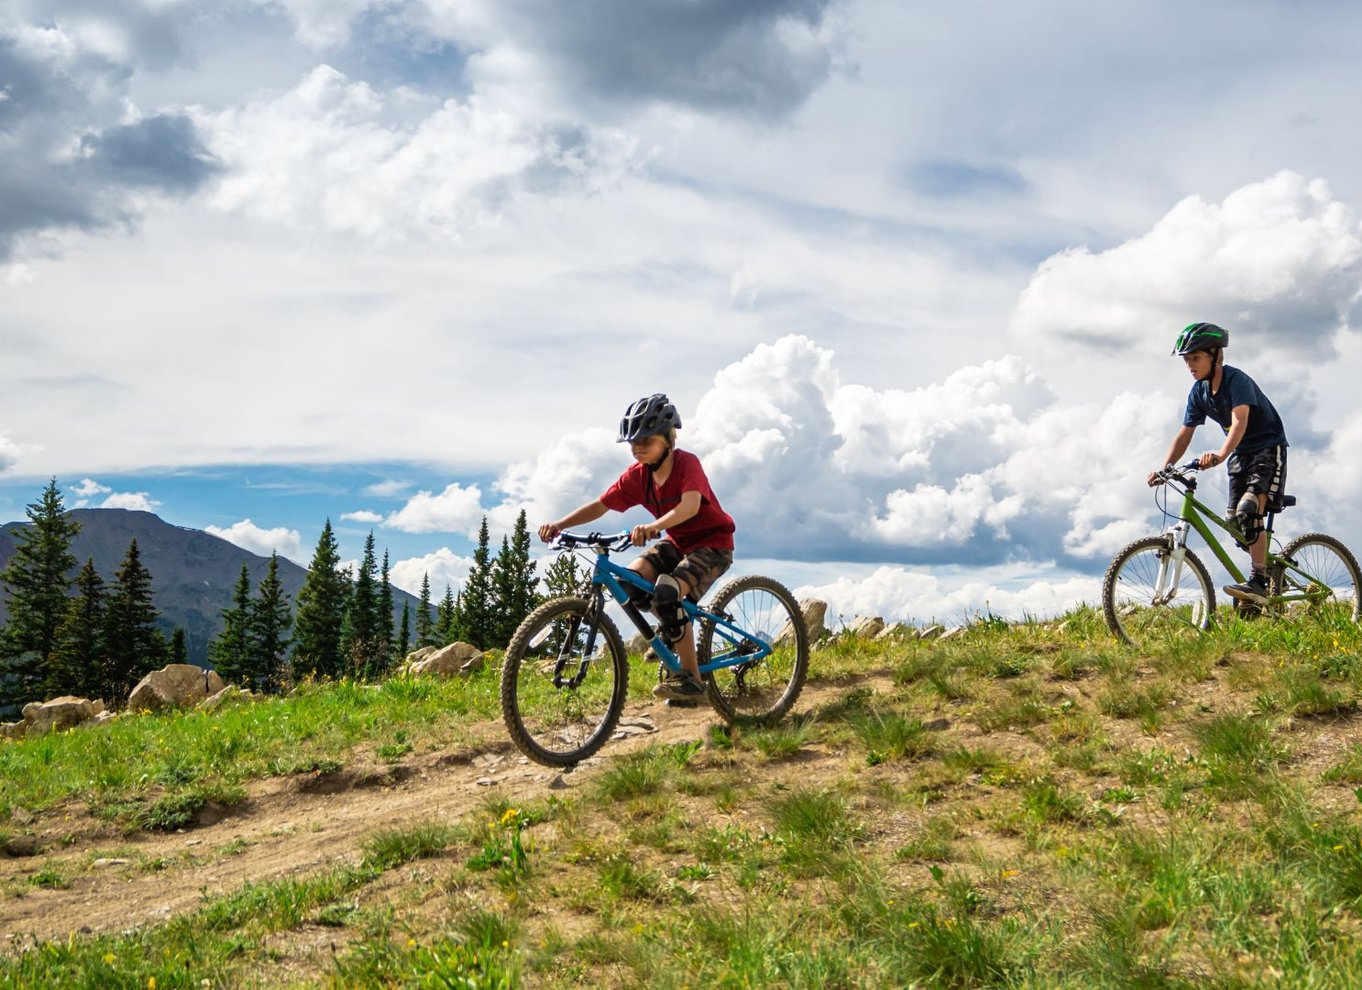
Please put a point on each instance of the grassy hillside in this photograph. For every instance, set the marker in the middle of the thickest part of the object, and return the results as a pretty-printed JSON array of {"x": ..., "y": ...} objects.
[{"x": 1030, "y": 806}]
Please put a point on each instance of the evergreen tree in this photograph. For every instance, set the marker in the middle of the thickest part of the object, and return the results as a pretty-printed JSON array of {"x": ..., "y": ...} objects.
[
  {"x": 230, "y": 651},
  {"x": 36, "y": 581},
  {"x": 476, "y": 601},
  {"x": 425, "y": 625},
  {"x": 363, "y": 644},
  {"x": 321, "y": 612},
  {"x": 78, "y": 656},
  {"x": 404, "y": 634},
  {"x": 513, "y": 582},
  {"x": 564, "y": 577},
  {"x": 447, "y": 619},
  {"x": 385, "y": 617},
  {"x": 179, "y": 650},
  {"x": 134, "y": 646},
  {"x": 269, "y": 625}
]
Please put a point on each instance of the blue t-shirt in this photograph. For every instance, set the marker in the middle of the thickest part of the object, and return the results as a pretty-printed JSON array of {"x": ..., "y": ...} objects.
[{"x": 1236, "y": 389}]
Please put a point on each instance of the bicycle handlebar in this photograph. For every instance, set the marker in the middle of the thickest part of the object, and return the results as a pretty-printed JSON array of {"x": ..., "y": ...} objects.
[{"x": 609, "y": 541}]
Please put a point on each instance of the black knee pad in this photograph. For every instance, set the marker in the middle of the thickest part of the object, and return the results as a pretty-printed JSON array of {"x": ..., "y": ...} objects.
[
  {"x": 667, "y": 604},
  {"x": 1248, "y": 518}
]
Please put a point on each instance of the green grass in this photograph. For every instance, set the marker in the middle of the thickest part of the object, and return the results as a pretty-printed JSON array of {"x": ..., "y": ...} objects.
[{"x": 1031, "y": 808}]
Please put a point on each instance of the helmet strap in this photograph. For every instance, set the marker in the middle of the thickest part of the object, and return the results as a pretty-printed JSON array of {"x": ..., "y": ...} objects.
[{"x": 656, "y": 466}]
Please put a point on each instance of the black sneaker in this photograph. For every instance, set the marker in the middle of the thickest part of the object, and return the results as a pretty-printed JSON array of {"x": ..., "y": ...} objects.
[
  {"x": 684, "y": 690},
  {"x": 1253, "y": 590}
]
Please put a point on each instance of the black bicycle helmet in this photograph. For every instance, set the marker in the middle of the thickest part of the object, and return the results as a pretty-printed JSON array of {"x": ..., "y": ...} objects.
[
  {"x": 648, "y": 417},
  {"x": 1200, "y": 337}
]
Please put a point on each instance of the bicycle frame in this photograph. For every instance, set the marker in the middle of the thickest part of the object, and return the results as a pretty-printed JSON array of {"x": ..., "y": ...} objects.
[
  {"x": 1195, "y": 515},
  {"x": 741, "y": 646}
]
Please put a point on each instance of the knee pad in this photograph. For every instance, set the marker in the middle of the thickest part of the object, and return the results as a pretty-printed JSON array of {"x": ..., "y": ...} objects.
[
  {"x": 1248, "y": 518},
  {"x": 667, "y": 604}
]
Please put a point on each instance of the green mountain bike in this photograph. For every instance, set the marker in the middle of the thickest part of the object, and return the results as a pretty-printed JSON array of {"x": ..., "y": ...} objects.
[{"x": 1157, "y": 590}]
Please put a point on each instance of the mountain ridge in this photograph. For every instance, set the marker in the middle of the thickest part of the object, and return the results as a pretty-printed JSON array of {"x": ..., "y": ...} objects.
[{"x": 193, "y": 572}]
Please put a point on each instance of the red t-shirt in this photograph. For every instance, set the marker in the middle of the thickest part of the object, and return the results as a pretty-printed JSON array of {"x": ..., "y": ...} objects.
[{"x": 710, "y": 527}]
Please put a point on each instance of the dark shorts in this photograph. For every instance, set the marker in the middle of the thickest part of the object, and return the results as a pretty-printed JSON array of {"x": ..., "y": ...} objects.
[
  {"x": 1262, "y": 472},
  {"x": 699, "y": 569}
]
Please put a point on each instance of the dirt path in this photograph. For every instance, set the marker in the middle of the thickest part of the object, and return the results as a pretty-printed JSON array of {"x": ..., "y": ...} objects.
[{"x": 302, "y": 825}]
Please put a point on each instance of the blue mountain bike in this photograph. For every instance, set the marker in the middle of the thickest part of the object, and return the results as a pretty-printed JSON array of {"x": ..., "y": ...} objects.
[{"x": 565, "y": 677}]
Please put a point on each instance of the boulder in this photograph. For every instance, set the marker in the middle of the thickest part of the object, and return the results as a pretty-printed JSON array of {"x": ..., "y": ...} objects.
[
  {"x": 60, "y": 713},
  {"x": 931, "y": 632},
  {"x": 637, "y": 646},
  {"x": 449, "y": 661},
  {"x": 952, "y": 632},
  {"x": 815, "y": 614},
  {"x": 866, "y": 627},
  {"x": 897, "y": 631},
  {"x": 228, "y": 694},
  {"x": 179, "y": 685},
  {"x": 416, "y": 656},
  {"x": 13, "y": 730}
]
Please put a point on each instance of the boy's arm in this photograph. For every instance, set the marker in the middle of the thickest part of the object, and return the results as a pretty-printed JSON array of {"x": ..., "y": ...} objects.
[
  {"x": 1239, "y": 417},
  {"x": 589, "y": 512},
  {"x": 1181, "y": 441},
  {"x": 685, "y": 509}
]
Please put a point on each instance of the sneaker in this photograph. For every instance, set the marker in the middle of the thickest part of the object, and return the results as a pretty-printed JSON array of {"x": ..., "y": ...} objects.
[
  {"x": 1253, "y": 590},
  {"x": 682, "y": 690}
]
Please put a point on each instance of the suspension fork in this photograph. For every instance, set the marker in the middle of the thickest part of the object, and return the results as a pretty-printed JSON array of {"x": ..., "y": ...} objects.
[
  {"x": 1170, "y": 565},
  {"x": 588, "y": 648}
]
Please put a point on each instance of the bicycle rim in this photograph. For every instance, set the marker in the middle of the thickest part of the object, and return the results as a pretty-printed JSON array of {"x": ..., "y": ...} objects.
[
  {"x": 765, "y": 689},
  {"x": 562, "y": 724},
  {"x": 1139, "y": 606},
  {"x": 1332, "y": 581}
]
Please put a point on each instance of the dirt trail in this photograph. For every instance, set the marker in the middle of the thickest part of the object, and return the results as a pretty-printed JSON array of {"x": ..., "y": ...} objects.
[{"x": 293, "y": 826}]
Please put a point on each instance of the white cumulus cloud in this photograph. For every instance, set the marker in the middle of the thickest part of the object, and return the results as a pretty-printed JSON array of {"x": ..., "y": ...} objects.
[
  {"x": 1280, "y": 258},
  {"x": 455, "y": 510},
  {"x": 443, "y": 567},
  {"x": 137, "y": 501},
  {"x": 249, "y": 536},
  {"x": 362, "y": 516},
  {"x": 9, "y": 453}
]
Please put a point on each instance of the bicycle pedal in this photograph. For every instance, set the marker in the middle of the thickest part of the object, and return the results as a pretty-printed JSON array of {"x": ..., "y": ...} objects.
[{"x": 677, "y": 703}]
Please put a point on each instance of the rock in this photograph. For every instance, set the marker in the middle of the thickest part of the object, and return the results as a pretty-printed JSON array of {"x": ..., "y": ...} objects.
[
  {"x": 931, "y": 632},
  {"x": 228, "y": 694},
  {"x": 106, "y": 861},
  {"x": 897, "y": 631},
  {"x": 13, "y": 730},
  {"x": 59, "y": 713},
  {"x": 21, "y": 846},
  {"x": 952, "y": 632},
  {"x": 636, "y": 646},
  {"x": 102, "y": 717},
  {"x": 415, "y": 656},
  {"x": 866, "y": 627},
  {"x": 448, "y": 661},
  {"x": 815, "y": 612},
  {"x": 178, "y": 685}
]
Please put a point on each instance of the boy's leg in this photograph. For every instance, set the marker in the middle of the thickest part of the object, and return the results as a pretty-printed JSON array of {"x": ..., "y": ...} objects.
[
  {"x": 692, "y": 577},
  {"x": 1255, "y": 480}
]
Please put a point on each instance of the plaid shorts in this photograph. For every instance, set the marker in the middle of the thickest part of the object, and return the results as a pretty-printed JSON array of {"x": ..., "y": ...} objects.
[{"x": 699, "y": 569}]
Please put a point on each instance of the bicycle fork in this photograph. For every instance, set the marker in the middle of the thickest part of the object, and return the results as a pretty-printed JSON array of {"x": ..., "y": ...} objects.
[{"x": 1170, "y": 565}]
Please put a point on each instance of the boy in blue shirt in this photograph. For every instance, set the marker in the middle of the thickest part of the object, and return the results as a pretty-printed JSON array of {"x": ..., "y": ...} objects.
[{"x": 1255, "y": 443}]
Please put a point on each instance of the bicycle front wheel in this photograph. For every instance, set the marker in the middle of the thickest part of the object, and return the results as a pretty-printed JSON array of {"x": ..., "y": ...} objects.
[
  {"x": 561, "y": 698},
  {"x": 1323, "y": 570},
  {"x": 756, "y": 690},
  {"x": 1148, "y": 600}
]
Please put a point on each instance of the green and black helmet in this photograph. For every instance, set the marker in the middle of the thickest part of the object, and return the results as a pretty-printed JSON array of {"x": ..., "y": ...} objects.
[{"x": 1201, "y": 337}]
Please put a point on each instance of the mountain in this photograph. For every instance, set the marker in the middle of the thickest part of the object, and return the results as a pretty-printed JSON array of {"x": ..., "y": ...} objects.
[{"x": 193, "y": 572}]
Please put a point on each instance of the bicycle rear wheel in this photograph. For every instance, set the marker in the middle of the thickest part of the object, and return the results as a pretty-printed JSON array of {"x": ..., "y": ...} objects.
[
  {"x": 560, "y": 724},
  {"x": 1136, "y": 600},
  {"x": 1328, "y": 574},
  {"x": 757, "y": 690}
]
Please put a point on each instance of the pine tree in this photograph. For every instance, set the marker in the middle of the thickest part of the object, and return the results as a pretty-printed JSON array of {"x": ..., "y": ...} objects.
[
  {"x": 564, "y": 577},
  {"x": 425, "y": 625},
  {"x": 476, "y": 601},
  {"x": 404, "y": 634},
  {"x": 446, "y": 619},
  {"x": 514, "y": 583},
  {"x": 230, "y": 651},
  {"x": 385, "y": 617},
  {"x": 36, "y": 581},
  {"x": 269, "y": 625},
  {"x": 179, "y": 650},
  {"x": 134, "y": 646},
  {"x": 321, "y": 612},
  {"x": 78, "y": 655},
  {"x": 363, "y": 640}
]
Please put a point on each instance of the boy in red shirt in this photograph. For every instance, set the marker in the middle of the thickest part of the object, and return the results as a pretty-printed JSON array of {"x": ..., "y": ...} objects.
[{"x": 670, "y": 484}]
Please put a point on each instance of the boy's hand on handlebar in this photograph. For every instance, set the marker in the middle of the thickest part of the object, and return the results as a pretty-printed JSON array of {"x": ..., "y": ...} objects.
[
  {"x": 1155, "y": 478},
  {"x": 643, "y": 533},
  {"x": 1209, "y": 460},
  {"x": 549, "y": 532}
]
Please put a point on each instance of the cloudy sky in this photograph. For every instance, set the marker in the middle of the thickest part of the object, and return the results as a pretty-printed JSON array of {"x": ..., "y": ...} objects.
[{"x": 910, "y": 271}]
